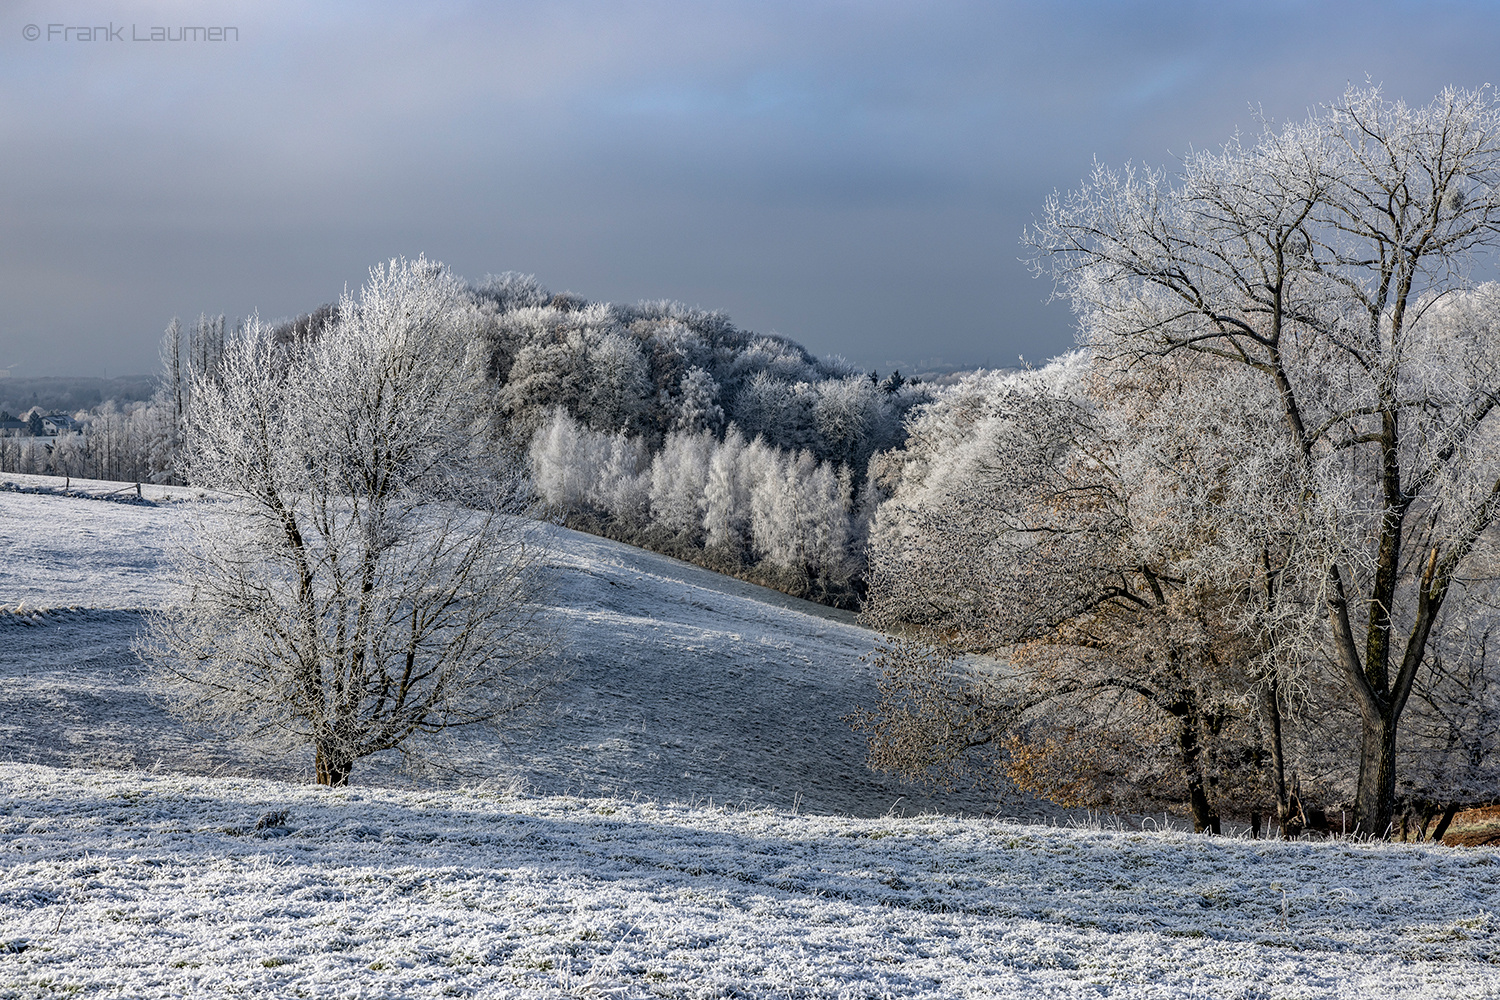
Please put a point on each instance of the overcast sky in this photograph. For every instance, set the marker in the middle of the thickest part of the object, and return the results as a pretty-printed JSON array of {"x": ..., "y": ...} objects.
[{"x": 856, "y": 176}]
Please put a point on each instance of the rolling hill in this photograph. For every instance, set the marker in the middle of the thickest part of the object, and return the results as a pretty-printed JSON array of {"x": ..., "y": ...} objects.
[{"x": 688, "y": 817}]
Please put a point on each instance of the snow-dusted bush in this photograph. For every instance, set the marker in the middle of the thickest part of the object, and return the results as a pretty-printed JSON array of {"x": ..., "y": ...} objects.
[{"x": 370, "y": 579}]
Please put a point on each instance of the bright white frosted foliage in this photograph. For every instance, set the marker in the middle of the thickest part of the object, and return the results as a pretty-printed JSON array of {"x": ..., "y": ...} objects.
[
  {"x": 736, "y": 498},
  {"x": 679, "y": 475},
  {"x": 799, "y": 512},
  {"x": 575, "y": 466},
  {"x": 854, "y": 417},
  {"x": 1329, "y": 258},
  {"x": 623, "y": 486},
  {"x": 372, "y": 579},
  {"x": 726, "y": 498},
  {"x": 566, "y": 460}
]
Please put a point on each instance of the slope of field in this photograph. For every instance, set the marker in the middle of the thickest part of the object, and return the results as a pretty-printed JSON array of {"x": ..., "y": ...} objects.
[
  {"x": 141, "y": 859},
  {"x": 681, "y": 684},
  {"x": 114, "y": 883},
  {"x": 66, "y": 550}
]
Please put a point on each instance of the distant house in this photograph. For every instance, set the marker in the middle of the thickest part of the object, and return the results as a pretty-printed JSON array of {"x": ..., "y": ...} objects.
[
  {"x": 54, "y": 424},
  {"x": 36, "y": 424}
]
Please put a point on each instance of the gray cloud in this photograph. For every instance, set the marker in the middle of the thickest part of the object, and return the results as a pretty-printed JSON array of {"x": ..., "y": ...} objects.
[{"x": 854, "y": 175}]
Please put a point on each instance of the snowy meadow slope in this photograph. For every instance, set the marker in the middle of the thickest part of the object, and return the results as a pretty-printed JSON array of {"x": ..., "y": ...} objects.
[
  {"x": 582, "y": 856},
  {"x": 130, "y": 884},
  {"x": 683, "y": 684}
]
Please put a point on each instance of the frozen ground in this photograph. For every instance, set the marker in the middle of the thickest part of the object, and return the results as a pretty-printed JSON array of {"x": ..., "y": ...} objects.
[
  {"x": 63, "y": 550},
  {"x": 114, "y": 883},
  {"x": 685, "y": 685}
]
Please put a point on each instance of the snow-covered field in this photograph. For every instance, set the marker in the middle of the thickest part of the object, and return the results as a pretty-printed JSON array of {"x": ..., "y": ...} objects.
[
  {"x": 518, "y": 877},
  {"x": 684, "y": 684},
  {"x": 155, "y": 885}
]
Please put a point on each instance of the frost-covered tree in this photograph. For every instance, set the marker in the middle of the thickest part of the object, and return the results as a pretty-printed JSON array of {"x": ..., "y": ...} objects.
[
  {"x": 623, "y": 487},
  {"x": 799, "y": 515},
  {"x": 513, "y": 290},
  {"x": 779, "y": 411},
  {"x": 1450, "y": 749},
  {"x": 566, "y": 460},
  {"x": 1325, "y": 255},
  {"x": 855, "y": 419},
  {"x": 783, "y": 516},
  {"x": 367, "y": 579},
  {"x": 68, "y": 455},
  {"x": 173, "y": 391},
  {"x": 658, "y": 367},
  {"x": 1047, "y": 519},
  {"x": 726, "y": 500},
  {"x": 578, "y": 469},
  {"x": 578, "y": 359},
  {"x": 679, "y": 477},
  {"x": 699, "y": 408}
]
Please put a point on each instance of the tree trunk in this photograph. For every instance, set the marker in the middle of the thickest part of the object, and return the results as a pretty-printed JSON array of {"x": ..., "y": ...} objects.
[
  {"x": 1271, "y": 705},
  {"x": 1448, "y": 813},
  {"x": 1375, "y": 798},
  {"x": 1295, "y": 820},
  {"x": 333, "y": 766},
  {"x": 1205, "y": 820}
]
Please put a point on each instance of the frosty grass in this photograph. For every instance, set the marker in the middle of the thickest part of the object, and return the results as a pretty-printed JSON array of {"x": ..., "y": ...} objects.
[
  {"x": 127, "y": 883},
  {"x": 137, "y": 884}
]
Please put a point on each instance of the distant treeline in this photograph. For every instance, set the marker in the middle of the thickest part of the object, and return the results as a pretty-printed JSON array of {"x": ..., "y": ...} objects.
[
  {"x": 655, "y": 423},
  {"x": 671, "y": 428},
  {"x": 70, "y": 394}
]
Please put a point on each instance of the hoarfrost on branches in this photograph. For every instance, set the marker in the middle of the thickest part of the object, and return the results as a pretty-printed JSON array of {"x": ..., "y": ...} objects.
[
  {"x": 369, "y": 579},
  {"x": 1329, "y": 258}
]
